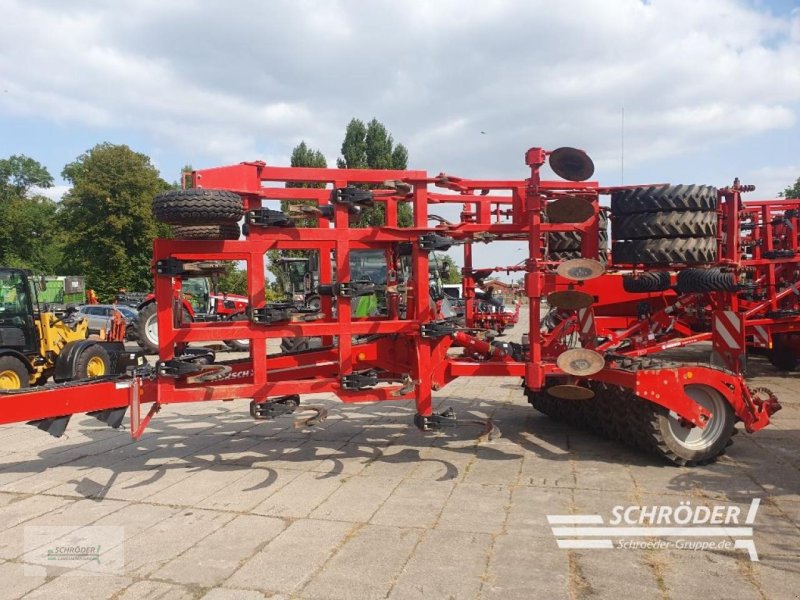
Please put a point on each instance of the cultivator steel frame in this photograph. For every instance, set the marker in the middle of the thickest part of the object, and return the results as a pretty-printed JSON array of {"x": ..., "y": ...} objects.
[{"x": 408, "y": 351}]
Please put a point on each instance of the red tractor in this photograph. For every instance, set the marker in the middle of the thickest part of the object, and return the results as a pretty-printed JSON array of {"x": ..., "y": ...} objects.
[{"x": 200, "y": 304}]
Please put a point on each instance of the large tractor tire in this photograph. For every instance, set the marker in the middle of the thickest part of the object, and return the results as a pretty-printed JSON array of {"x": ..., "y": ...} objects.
[
  {"x": 620, "y": 415},
  {"x": 705, "y": 280},
  {"x": 228, "y": 231},
  {"x": 92, "y": 362},
  {"x": 676, "y": 224},
  {"x": 242, "y": 345},
  {"x": 563, "y": 255},
  {"x": 664, "y": 198},
  {"x": 571, "y": 240},
  {"x": 657, "y": 281},
  {"x": 145, "y": 327},
  {"x": 198, "y": 207},
  {"x": 670, "y": 437},
  {"x": 13, "y": 373},
  {"x": 665, "y": 251}
]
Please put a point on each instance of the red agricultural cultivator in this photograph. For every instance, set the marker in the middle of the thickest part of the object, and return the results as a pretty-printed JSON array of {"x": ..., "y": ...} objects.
[{"x": 688, "y": 264}]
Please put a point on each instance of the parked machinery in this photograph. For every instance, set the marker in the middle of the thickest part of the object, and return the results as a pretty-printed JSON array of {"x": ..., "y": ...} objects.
[{"x": 684, "y": 413}]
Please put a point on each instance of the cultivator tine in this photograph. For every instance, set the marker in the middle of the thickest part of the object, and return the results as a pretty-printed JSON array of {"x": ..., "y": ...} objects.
[
  {"x": 491, "y": 431},
  {"x": 321, "y": 413},
  {"x": 209, "y": 373},
  {"x": 111, "y": 416},
  {"x": 55, "y": 426}
]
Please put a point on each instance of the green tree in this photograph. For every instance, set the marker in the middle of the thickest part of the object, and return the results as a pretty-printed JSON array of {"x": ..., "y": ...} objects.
[
  {"x": 371, "y": 146},
  {"x": 792, "y": 191},
  {"x": 107, "y": 217},
  {"x": 19, "y": 173},
  {"x": 454, "y": 273},
  {"x": 30, "y": 236},
  {"x": 302, "y": 156}
]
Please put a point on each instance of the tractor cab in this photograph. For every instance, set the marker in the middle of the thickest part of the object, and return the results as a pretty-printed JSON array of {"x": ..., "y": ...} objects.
[{"x": 17, "y": 302}]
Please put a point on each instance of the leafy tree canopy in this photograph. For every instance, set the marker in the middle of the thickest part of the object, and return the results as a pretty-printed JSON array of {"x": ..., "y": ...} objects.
[{"x": 107, "y": 218}]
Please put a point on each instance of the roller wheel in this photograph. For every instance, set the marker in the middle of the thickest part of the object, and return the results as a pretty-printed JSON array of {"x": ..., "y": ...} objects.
[
  {"x": 657, "y": 281},
  {"x": 198, "y": 207},
  {"x": 664, "y": 198},
  {"x": 706, "y": 280},
  {"x": 229, "y": 231},
  {"x": 665, "y": 251},
  {"x": 664, "y": 225}
]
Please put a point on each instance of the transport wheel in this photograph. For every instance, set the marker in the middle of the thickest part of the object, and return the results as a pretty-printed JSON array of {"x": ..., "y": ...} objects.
[
  {"x": 657, "y": 281},
  {"x": 706, "y": 280},
  {"x": 782, "y": 356},
  {"x": 664, "y": 198},
  {"x": 687, "y": 445},
  {"x": 198, "y": 207},
  {"x": 561, "y": 256},
  {"x": 571, "y": 240},
  {"x": 239, "y": 345},
  {"x": 655, "y": 225},
  {"x": 665, "y": 251},
  {"x": 228, "y": 231},
  {"x": 93, "y": 362},
  {"x": 13, "y": 373}
]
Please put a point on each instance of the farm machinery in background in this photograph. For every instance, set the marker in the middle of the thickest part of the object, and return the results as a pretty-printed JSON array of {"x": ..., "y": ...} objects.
[
  {"x": 594, "y": 324},
  {"x": 198, "y": 302},
  {"x": 36, "y": 344}
]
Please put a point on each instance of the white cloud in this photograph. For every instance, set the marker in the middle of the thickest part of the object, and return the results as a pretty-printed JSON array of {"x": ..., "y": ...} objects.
[{"x": 215, "y": 81}]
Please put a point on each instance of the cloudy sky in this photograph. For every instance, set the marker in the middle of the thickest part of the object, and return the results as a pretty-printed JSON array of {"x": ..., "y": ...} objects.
[{"x": 710, "y": 90}]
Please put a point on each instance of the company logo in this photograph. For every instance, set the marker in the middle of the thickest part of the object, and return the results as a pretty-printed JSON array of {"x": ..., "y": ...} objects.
[{"x": 660, "y": 527}]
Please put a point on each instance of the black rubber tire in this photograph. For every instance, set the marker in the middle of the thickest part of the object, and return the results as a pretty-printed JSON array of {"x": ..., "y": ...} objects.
[
  {"x": 15, "y": 365},
  {"x": 782, "y": 355},
  {"x": 571, "y": 240},
  {"x": 705, "y": 280},
  {"x": 80, "y": 370},
  {"x": 619, "y": 414},
  {"x": 663, "y": 198},
  {"x": 228, "y": 231},
  {"x": 140, "y": 333},
  {"x": 660, "y": 428},
  {"x": 657, "y": 281},
  {"x": 238, "y": 345},
  {"x": 657, "y": 225},
  {"x": 198, "y": 207},
  {"x": 292, "y": 345},
  {"x": 570, "y": 254},
  {"x": 665, "y": 251}
]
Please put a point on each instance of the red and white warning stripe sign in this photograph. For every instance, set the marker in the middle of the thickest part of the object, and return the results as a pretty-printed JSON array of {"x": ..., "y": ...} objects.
[
  {"x": 728, "y": 328},
  {"x": 586, "y": 325},
  {"x": 761, "y": 337}
]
